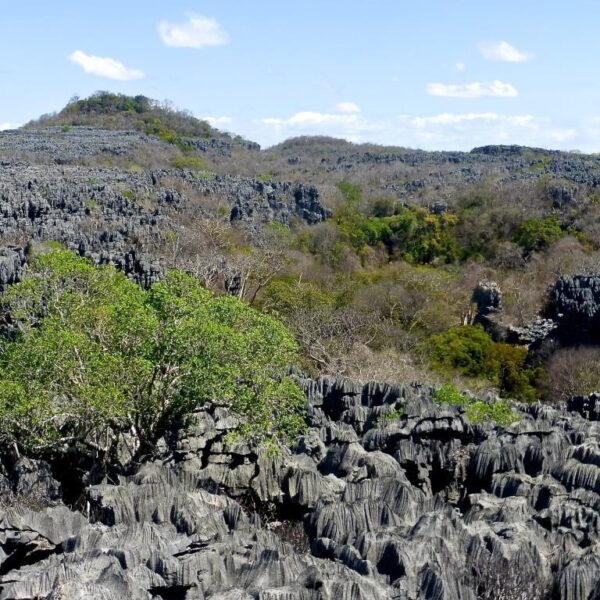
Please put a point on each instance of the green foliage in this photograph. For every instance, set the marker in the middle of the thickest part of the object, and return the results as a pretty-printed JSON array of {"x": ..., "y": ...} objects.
[
  {"x": 287, "y": 296},
  {"x": 448, "y": 394},
  {"x": 498, "y": 412},
  {"x": 384, "y": 207},
  {"x": 393, "y": 414},
  {"x": 412, "y": 234},
  {"x": 475, "y": 410},
  {"x": 156, "y": 127},
  {"x": 95, "y": 353},
  {"x": 470, "y": 351},
  {"x": 352, "y": 192},
  {"x": 107, "y": 102},
  {"x": 538, "y": 234},
  {"x": 464, "y": 349},
  {"x": 513, "y": 377},
  {"x": 193, "y": 163}
]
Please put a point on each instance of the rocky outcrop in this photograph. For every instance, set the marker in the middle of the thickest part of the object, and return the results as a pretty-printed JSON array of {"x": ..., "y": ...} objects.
[
  {"x": 386, "y": 496},
  {"x": 121, "y": 217},
  {"x": 12, "y": 261},
  {"x": 574, "y": 303},
  {"x": 488, "y": 298}
]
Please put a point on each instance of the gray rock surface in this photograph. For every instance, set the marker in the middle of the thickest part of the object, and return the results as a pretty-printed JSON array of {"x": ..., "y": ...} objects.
[
  {"x": 386, "y": 496},
  {"x": 118, "y": 216},
  {"x": 574, "y": 303}
]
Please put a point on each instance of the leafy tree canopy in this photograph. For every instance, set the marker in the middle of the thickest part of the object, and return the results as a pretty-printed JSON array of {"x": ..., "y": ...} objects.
[{"x": 92, "y": 354}]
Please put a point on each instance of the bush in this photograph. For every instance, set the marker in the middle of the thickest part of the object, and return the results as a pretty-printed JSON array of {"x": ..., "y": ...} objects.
[
  {"x": 464, "y": 349},
  {"x": 94, "y": 355},
  {"x": 352, "y": 192},
  {"x": 513, "y": 377},
  {"x": 538, "y": 234},
  {"x": 470, "y": 351},
  {"x": 475, "y": 410},
  {"x": 193, "y": 163}
]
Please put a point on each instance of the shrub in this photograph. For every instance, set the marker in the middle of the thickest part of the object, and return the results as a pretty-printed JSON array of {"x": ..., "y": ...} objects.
[
  {"x": 513, "y": 377},
  {"x": 464, "y": 349},
  {"x": 156, "y": 127},
  {"x": 95, "y": 355},
  {"x": 285, "y": 296},
  {"x": 470, "y": 351},
  {"x": 476, "y": 411},
  {"x": 193, "y": 163},
  {"x": 538, "y": 234},
  {"x": 413, "y": 234},
  {"x": 351, "y": 191}
]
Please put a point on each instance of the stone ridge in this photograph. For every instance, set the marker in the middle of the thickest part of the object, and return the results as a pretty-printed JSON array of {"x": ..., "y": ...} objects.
[
  {"x": 115, "y": 216},
  {"x": 387, "y": 496}
]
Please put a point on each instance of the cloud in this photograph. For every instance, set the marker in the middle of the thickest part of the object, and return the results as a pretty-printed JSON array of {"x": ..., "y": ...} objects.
[
  {"x": 218, "y": 121},
  {"x": 503, "y": 51},
  {"x": 460, "y": 67},
  {"x": 313, "y": 118},
  {"x": 347, "y": 107},
  {"x": 6, "y": 126},
  {"x": 476, "y": 89},
  {"x": 196, "y": 32},
  {"x": 457, "y": 119},
  {"x": 442, "y": 131},
  {"x": 105, "y": 67},
  {"x": 351, "y": 126}
]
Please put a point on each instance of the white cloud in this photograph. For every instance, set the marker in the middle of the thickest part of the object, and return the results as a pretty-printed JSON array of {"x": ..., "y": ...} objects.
[
  {"x": 476, "y": 89},
  {"x": 457, "y": 119},
  {"x": 6, "y": 126},
  {"x": 311, "y": 118},
  {"x": 347, "y": 107},
  {"x": 105, "y": 67},
  {"x": 503, "y": 51},
  {"x": 460, "y": 67},
  {"x": 196, "y": 32},
  {"x": 443, "y": 131},
  {"x": 351, "y": 126},
  {"x": 218, "y": 121}
]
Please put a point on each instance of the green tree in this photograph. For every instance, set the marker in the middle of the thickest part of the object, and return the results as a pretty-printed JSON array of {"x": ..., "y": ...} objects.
[
  {"x": 537, "y": 234},
  {"x": 94, "y": 355},
  {"x": 513, "y": 377},
  {"x": 464, "y": 349}
]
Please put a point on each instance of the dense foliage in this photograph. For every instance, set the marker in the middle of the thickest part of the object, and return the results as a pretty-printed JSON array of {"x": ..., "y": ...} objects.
[
  {"x": 476, "y": 411},
  {"x": 470, "y": 351},
  {"x": 92, "y": 354}
]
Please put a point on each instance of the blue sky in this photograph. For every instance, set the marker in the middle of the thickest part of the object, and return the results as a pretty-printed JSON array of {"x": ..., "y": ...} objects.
[{"x": 432, "y": 74}]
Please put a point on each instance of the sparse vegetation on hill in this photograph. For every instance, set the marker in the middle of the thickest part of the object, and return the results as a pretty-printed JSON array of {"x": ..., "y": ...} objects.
[{"x": 106, "y": 110}]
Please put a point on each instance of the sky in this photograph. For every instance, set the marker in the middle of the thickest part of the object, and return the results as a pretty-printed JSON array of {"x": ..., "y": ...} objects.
[{"x": 434, "y": 74}]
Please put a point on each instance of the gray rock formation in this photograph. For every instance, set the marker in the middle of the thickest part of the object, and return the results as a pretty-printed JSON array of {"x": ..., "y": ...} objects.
[
  {"x": 574, "y": 303},
  {"x": 386, "y": 496},
  {"x": 118, "y": 216},
  {"x": 488, "y": 298}
]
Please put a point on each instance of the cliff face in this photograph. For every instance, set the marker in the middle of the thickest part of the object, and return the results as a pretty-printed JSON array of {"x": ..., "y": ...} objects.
[{"x": 387, "y": 495}]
